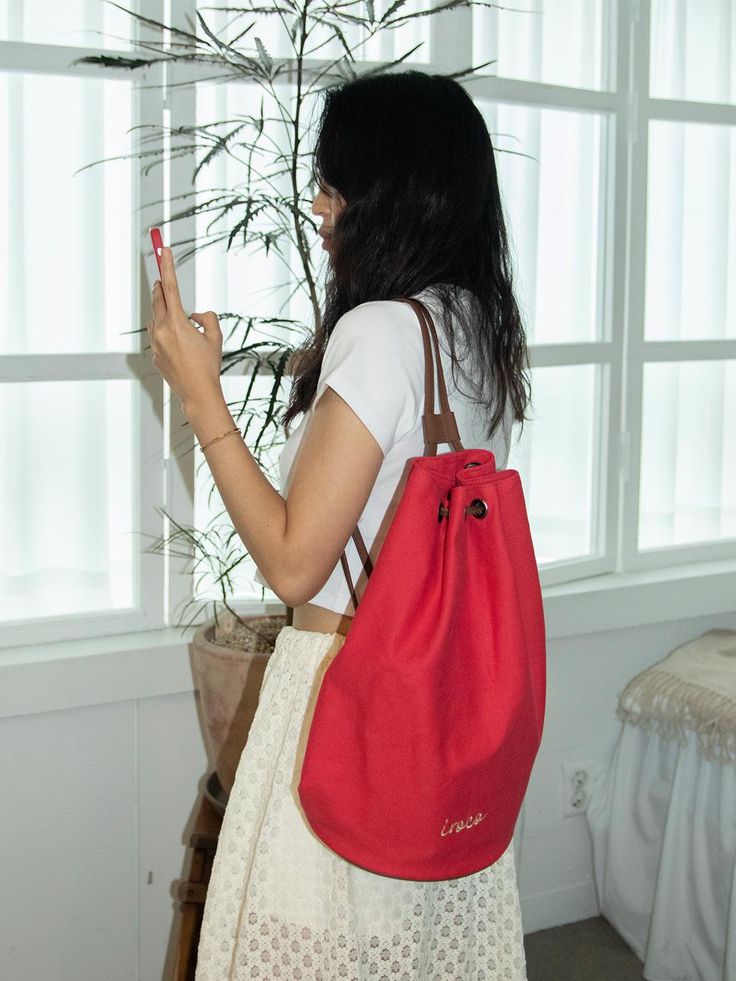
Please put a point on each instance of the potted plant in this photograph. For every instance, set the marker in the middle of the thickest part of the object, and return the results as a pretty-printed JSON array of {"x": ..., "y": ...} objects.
[{"x": 230, "y": 651}]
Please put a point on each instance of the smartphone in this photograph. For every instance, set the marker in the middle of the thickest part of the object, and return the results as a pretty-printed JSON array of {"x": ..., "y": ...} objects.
[{"x": 157, "y": 246}]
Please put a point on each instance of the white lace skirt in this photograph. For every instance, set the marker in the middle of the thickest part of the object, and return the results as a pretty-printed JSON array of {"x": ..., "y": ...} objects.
[{"x": 281, "y": 904}]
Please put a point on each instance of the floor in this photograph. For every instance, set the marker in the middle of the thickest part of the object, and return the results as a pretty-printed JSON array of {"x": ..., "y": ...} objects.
[{"x": 589, "y": 950}]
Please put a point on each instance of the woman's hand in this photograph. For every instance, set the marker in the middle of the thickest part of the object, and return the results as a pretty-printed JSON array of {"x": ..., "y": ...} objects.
[{"x": 187, "y": 359}]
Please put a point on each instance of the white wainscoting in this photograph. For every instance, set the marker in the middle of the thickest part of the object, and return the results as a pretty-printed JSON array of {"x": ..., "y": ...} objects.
[{"x": 98, "y": 801}]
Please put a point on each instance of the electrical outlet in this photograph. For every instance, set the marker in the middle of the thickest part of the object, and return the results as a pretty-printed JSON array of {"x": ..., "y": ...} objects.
[{"x": 575, "y": 786}]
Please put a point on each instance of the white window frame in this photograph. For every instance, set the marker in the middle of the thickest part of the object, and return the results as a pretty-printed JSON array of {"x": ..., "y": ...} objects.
[
  {"x": 618, "y": 588},
  {"x": 641, "y": 111},
  {"x": 627, "y": 110},
  {"x": 135, "y": 366}
]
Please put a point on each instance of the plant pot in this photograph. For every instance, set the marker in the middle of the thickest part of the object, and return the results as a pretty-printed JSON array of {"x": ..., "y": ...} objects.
[
  {"x": 228, "y": 663},
  {"x": 215, "y": 793}
]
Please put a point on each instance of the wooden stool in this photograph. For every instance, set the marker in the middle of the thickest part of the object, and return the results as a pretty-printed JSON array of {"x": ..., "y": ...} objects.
[{"x": 192, "y": 892}]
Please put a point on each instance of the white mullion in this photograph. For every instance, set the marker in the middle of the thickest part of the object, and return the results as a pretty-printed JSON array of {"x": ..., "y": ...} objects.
[
  {"x": 610, "y": 71},
  {"x": 149, "y": 523},
  {"x": 498, "y": 88},
  {"x": 180, "y": 481},
  {"x": 635, "y": 26},
  {"x": 695, "y": 350},
  {"x": 626, "y": 121},
  {"x": 606, "y": 464},
  {"x": 611, "y": 266},
  {"x": 96, "y": 365},
  {"x": 685, "y": 111},
  {"x": 543, "y": 95},
  {"x": 570, "y": 570},
  {"x": 450, "y": 39},
  {"x": 639, "y": 351},
  {"x": 57, "y": 59},
  {"x": 584, "y": 352},
  {"x": 90, "y": 366}
]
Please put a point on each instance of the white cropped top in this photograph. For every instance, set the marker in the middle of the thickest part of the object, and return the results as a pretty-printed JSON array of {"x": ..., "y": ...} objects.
[{"x": 374, "y": 359}]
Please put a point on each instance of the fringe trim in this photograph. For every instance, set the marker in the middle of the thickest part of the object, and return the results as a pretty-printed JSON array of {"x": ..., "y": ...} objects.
[{"x": 658, "y": 702}]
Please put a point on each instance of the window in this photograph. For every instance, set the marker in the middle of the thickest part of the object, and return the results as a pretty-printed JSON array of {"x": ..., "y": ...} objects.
[
  {"x": 615, "y": 150},
  {"x": 628, "y": 463},
  {"x": 81, "y": 457}
]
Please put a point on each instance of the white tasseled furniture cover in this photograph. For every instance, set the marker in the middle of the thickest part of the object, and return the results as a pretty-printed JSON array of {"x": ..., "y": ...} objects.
[{"x": 662, "y": 815}]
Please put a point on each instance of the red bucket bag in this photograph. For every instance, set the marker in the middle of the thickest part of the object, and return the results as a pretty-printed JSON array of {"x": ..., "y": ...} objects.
[{"x": 429, "y": 717}]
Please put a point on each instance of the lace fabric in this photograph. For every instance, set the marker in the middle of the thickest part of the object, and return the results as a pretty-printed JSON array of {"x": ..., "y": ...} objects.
[{"x": 281, "y": 904}]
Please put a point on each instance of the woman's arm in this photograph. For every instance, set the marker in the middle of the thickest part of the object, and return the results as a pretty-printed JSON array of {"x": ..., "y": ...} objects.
[{"x": 295, "y": 542}]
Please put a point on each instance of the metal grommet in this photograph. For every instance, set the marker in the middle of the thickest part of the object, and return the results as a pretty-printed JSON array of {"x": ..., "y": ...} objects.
[
  {"x": 478, "y": 508},
  {"x": 473, "y": 463}
]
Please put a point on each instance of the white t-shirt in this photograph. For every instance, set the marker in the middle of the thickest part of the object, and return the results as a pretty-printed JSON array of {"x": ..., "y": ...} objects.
[{"x": 374, "y": 359}]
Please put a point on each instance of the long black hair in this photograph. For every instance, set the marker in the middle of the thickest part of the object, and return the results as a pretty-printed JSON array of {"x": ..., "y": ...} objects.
[{"x": 411, "y": 156}]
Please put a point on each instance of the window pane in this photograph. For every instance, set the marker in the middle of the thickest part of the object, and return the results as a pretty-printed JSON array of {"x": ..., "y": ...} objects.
[
  {"x": 693, "y": 50},
  {"x": 249, "y": 283},
  {"x": 554, "y": 207},
  {"x": 688, "y": 455},
  {"x": 557, "y": 460},
  {"x": 68, "y": 492},
  {"x": 386, "y": 45},
  {"x": 560, "y": 42},
  {"x": 209, "y": 512},
  {"x": 66, "y": 238},
  {"x": 691, "y": 232},
  {"x": 247, "y": 280},
  {"x": 73, "y": 22}
]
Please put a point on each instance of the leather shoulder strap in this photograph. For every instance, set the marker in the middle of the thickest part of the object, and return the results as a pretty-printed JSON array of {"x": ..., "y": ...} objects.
[{"x": 439, "y": 427}]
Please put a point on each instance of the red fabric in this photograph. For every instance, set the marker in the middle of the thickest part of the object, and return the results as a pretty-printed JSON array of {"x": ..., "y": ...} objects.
[{"x": 431, "y": 712}]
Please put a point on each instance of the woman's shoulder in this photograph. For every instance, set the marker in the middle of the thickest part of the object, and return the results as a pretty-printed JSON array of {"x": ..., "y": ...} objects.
[
  {"x": 379, "y": 330},
  {"x": 376, "y": 313},
  {"x": 388, "y": 320},
  {"x": 385, "y": 335}
]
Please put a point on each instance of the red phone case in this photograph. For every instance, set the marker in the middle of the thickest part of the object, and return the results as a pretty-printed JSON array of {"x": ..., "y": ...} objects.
[{"x": 157, "y": 246}]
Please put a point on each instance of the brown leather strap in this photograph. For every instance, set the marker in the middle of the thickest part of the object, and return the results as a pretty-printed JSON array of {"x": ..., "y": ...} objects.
[
  {"x": 439, "y": 427},
  {"x": 364, "y": 558}
]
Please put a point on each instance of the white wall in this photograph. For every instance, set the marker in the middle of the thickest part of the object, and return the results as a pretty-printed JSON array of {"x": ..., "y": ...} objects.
[
  {"x": 99, "y": 798},
  {"x": 585, "y": 675}
]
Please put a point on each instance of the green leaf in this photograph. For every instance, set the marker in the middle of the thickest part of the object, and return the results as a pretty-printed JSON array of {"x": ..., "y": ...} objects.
[
  {"x": 156, "y": 23},
  {"x": 209, "y": 33},
  {"x": 265, "y": 57},
  {"x": 341, "y": 38},
  {"x": 469, "y": 71},
  {"x": 391, "y": 9}
]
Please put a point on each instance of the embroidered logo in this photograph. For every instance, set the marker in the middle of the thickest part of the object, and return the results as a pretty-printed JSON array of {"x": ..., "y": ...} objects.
[{"x": 450, "y": 827}]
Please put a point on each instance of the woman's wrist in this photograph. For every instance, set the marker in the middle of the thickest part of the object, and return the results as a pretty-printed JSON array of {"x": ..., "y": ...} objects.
[{"x": 209, "y": 417}]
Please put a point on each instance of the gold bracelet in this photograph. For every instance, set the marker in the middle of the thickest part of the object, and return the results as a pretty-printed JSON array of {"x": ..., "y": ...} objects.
[{"x": 230, "y": 432}]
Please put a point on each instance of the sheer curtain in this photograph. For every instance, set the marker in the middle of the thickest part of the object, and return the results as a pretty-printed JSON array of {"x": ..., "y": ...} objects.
[{"x": 68, "y": 444}]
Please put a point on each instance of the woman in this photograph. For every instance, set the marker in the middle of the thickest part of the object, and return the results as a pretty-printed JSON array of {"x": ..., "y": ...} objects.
[{"x": 410, "y": 205}]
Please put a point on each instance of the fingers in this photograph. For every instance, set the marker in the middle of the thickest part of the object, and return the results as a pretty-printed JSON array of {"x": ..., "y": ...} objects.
[
  {"x": 168, "y": 278},
  {"x": 158, "y": 303},
  {"x": 208, "y": 320},
  {"x": 149, "y": 327}
]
